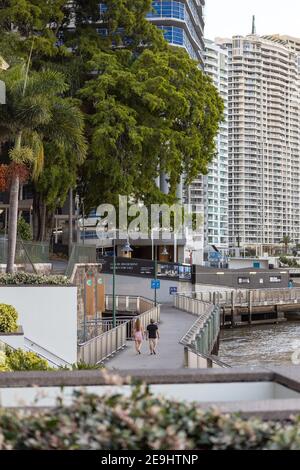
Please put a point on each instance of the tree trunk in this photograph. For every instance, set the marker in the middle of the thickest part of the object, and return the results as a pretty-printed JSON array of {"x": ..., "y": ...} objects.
[
  {"x": 43, "y": 222},
  {"x": 36, "y": 216},
  {"x": 13, "y": 215},
  {"x": 13, "y": 223}
]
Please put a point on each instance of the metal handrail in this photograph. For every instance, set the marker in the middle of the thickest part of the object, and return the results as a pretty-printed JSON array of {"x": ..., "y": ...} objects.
[
  {"x": 207, "y": 323},
  {"x": 100, "y": 348},
  {"x": 5, "y": 345},
  {"x": 55, "y": 356},
  {"x": 189, "y": 350},
  {"x": 131, "y": 297}
]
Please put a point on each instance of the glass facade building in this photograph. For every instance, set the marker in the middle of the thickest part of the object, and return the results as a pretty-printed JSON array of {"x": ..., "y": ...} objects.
[{"x": 182, "y": 23}]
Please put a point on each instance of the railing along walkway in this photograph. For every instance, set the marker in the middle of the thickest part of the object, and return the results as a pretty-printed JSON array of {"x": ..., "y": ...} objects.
[
  {"x": 102, "y": 347},
  {"x": 256, "y": 297},
  {"x": 170, "y": 353}
]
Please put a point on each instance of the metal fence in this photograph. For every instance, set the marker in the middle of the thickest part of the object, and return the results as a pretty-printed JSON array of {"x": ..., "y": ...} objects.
[
  {"x": 195, "y": 360},
  {"x": 27, "y": 253},
  {"x": 204, "y": 333},
  {"x": 103, "y": 346},
  {"x": 253, "y": 297},
  {"x": 80, "y": 254}
]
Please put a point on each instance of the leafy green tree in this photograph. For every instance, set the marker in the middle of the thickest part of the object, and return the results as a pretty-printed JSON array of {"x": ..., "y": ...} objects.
[
  {"x": 24, "y": 230},
  {"x": 36, "y": 113},
  {"x": 151, "y": 113},
  {"x": 286, "y": 241},
  {"x": 149, "y": 108},
  {"x": 20, "y": 20}
]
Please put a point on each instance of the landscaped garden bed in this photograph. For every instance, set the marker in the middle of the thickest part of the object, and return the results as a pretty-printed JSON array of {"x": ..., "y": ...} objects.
[
  {"x": 24, "y": 279},
  {"x": 141, "y": 421}
]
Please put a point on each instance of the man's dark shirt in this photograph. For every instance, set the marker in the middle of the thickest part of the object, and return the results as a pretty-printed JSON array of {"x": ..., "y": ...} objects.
[{"x": 152, "y": 331}]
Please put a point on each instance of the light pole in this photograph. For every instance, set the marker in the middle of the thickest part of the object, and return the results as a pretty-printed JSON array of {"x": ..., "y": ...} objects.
[
  {"x": 155, "y": 276},
  {"x": 125, "y": 249},
  {"x": 114, "y": 284}
]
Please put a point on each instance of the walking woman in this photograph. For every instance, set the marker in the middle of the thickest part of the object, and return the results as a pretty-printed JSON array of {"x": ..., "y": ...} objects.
[{"x": 138, "y": 334}]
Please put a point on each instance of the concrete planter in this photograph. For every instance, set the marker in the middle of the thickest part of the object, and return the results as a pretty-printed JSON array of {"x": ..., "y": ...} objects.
[{"x": 48, "y": 315}]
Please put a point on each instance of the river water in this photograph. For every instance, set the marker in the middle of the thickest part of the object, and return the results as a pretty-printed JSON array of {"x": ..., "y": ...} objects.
[{"x": 260, "y": 345}]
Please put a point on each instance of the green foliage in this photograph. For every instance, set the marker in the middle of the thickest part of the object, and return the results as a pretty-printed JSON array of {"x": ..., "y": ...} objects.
[
  {"x": 291, "y": 262},
  {"x": 8, "y": 319},
  {"x": 40, "y": 113},
  {"x": 24, "y": 230},
  {"x": 141, "y": 422},
  {"x": 82, "y": 366},
  {"x": 22, "y": 278},
  {"x": 33, "y": 18},
  {"x": 156, "y": 112},
  {"x": 20, "y": 360},
  {"x": 125, "y": 21},
  {"x": 149, "y": 110},
  {"x": 3, "y": 362}
]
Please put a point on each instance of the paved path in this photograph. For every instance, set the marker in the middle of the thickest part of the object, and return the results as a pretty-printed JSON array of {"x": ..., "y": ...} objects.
[{"x": 174, "y": 324}]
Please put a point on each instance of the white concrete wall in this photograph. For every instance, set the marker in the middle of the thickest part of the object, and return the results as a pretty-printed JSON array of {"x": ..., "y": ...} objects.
[
  {"x": 14, "y": 341},
  {"x": 137, "y": 286},
  {"x": 244, "y": 263},
  {"x": 189, "y": 393},
  {"x": 48, "y": 316}
]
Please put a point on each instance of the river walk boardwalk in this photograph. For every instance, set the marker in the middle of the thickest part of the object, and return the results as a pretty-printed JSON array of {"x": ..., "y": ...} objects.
[{"x": 170, "y": 353}]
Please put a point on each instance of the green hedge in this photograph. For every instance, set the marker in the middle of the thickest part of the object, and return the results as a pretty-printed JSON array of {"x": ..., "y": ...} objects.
[
  {"x": 19, "y": 361},
  {"x": 8, "y": 319},
  {"x": 24, "y": 230},
  {"x": 33, "y": 279},
  {"x": 141, "y": 421}
]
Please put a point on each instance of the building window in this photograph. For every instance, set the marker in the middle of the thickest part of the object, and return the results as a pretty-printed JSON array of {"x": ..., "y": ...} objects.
[
  {"x": 244, "y": 280},
  {"x": 167, "y": 9},
  {"x": 173, "y": 35}
]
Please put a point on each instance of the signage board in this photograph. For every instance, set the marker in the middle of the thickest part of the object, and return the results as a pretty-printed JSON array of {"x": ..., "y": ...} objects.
[
  {"x": 145, "y": 268},
  {"x": 155, "y": 284},
  {"x": 173, "y": 290}
]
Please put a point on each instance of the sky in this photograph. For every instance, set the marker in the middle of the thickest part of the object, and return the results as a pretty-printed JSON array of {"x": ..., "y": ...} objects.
[{"x": 227, "y": 18}]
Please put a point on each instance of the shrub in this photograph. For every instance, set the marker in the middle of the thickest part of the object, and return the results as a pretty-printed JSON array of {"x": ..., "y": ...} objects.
[
  {"x": 19, "y": 360},
  {"x": 141, "y": 422},
  {"x": 82, "y": 366},
  {"x": 8, "y": 319},
  {"x": 3, "y": 364},
  {"x": 24, "y": 230},
  {"x": 22, "y": 278}
]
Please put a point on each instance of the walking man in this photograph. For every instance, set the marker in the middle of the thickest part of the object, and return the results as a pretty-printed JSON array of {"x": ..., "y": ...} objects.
[{"x": 153, "y": 336}]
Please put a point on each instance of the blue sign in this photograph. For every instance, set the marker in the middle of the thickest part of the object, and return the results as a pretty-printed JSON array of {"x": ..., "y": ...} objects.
[
  {"x": 155, "y": 284},
  {"x": 173, "y": 290}
]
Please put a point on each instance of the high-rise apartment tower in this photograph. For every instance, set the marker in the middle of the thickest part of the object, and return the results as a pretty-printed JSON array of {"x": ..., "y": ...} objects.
[{"x": 264, "y": 141}]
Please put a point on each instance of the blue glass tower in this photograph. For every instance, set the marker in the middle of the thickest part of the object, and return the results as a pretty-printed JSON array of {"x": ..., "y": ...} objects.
[{"x": 182, "y": 23}]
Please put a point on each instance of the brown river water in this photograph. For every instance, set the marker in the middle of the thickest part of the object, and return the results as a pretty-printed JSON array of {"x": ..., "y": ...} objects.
[{"x": 260, "y": 345}]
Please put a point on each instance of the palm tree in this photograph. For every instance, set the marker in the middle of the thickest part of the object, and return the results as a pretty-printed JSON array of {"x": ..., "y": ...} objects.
[
  {"x": 286, "y": 241},
  {"x": 36, "y": 112}
]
